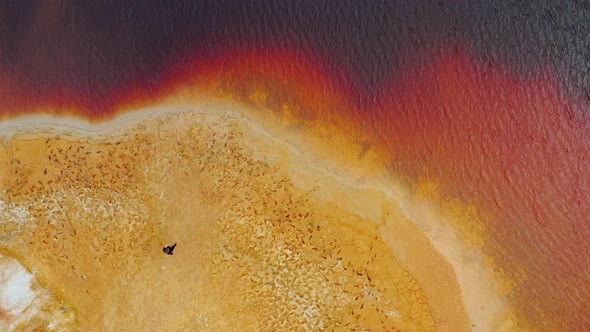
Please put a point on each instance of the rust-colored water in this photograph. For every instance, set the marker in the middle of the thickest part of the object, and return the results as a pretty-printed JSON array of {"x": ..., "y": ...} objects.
[{"x": 487, "y": 136}]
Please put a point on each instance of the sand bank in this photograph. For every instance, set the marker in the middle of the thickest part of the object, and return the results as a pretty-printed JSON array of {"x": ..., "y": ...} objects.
[{"x": 271, "y": 233}]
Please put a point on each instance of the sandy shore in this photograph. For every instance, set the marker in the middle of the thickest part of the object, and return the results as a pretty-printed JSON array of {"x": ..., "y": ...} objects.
[{"x": 414, "y": 244}]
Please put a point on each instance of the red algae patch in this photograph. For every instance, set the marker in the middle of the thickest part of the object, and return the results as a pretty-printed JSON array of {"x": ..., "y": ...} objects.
[{"x": 267, "y": 238}]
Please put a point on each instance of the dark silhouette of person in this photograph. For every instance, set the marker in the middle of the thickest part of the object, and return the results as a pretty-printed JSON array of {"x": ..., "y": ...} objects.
[{"x": 168, "y": 250}]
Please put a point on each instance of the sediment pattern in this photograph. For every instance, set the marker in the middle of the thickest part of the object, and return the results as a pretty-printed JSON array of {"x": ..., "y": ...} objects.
[{"x": 255, "y": 251}]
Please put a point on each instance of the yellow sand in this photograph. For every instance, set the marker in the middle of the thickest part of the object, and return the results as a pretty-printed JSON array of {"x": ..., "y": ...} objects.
[{"x": 269, "y": 239}]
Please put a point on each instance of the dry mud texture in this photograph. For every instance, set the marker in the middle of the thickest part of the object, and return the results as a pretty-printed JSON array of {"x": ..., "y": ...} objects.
[{"x": 265, "y": 243}]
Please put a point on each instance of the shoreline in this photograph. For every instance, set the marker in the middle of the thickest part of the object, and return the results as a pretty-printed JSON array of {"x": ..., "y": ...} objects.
[{"x": 472, "y": 279}]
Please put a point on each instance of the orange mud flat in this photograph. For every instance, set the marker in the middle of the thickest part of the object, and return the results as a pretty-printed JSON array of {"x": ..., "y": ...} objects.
[{"x": 264, "y": 242}]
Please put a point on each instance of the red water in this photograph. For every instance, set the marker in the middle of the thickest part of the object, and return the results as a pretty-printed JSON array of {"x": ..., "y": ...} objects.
[
  {"x": 509, "y": 145},
  {"x": 514, "y": 148}
]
